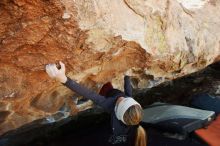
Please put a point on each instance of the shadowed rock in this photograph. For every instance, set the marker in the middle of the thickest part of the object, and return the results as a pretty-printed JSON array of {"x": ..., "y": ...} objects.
[
  {"x": 177, "y": 91},
  {"x": 180, "y": 90}
]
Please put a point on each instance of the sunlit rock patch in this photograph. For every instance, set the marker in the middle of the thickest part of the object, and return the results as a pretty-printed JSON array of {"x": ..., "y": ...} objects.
[{"x": 98, "y": 41}]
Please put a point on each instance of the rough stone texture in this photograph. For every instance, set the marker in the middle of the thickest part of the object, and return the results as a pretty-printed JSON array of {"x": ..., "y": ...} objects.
[
  {"x": 180, "y": 91},
  {"x": 75, "y": 128},
  {"x": 98, "y": 40}
]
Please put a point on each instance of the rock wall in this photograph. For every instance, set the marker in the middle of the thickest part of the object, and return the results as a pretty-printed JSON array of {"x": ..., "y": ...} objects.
[{"x": 99, "y": 41}]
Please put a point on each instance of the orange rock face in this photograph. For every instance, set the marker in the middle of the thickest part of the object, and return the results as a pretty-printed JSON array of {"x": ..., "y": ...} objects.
[
  {"x": 37, "y": 32},
  {"x": 33, "y": 34}
]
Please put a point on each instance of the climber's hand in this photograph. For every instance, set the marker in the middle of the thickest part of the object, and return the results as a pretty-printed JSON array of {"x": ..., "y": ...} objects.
[
  {"x": 56, "y": 73},
  {"x": 128, "y": 73}
]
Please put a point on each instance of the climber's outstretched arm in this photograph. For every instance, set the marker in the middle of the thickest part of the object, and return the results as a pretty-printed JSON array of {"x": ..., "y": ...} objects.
[{"x": 59, "y": 74}]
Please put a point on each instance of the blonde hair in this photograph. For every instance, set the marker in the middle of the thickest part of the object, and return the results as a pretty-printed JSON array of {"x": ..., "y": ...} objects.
[
  {"x": 133, "y": 116},
  {"x": 141, "y": 139}
]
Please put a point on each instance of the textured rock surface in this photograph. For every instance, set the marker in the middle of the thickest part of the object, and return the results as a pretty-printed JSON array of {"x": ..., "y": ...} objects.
[
  {"x": 98, "y": 41},
  {"x": 75, "y": 128}
]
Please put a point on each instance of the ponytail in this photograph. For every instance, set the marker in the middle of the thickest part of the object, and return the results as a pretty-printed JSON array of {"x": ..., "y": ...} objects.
[
  {"x": 141, "y": 139},
  {"x": 133, "y": 116}
]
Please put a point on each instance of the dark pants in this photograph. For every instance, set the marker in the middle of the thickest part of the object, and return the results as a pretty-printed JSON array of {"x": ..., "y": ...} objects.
[
  {"x": 115, "y": 93},
  {"x": 108, "y": 91}
]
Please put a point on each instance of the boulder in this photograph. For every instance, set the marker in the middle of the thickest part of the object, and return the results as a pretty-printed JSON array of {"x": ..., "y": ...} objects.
[{"x": 98, "y": 41}]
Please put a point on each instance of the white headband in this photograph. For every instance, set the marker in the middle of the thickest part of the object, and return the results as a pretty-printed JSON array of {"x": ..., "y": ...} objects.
[{"x": 123, "y": 106}]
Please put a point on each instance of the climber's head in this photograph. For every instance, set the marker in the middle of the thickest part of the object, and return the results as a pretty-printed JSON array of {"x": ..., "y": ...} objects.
[{"x": 128, "y": 111}]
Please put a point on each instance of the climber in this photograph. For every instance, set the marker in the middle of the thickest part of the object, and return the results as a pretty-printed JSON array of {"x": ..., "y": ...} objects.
[{"x": 126, "y": 113}]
